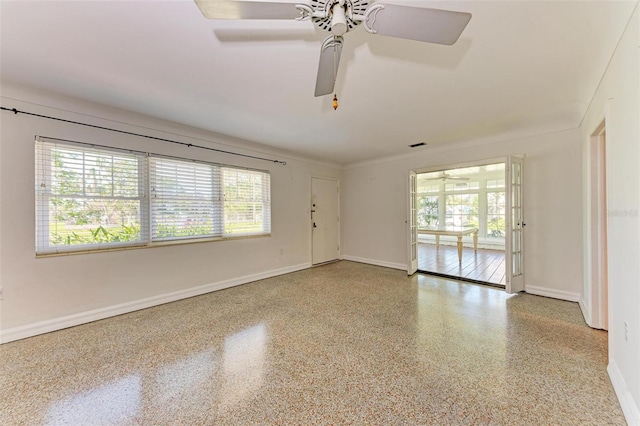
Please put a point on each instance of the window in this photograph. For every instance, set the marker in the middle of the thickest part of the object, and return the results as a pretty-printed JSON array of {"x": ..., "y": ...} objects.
[
  {"x": 185, "y": 200},
  {"x": 428, "y": 211},
  {"x": 87, "y": 197},
  {"x": 464, "y": 197},
  {"x": 462, "y": 210},
  {"x": 91, "y": 198},
  {"x": 461, "y": 186},
  {"x": 428, "y": 204},
  {"x": 496, "y": 208},
  {"x": 246, "y": 202}
]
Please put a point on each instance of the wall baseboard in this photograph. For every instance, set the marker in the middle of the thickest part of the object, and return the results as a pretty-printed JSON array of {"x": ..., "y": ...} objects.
[
  {"x": 629, "y": 407},
  {"x": 384, "y": 263},
  {"x": 585, "y": 312},
  {"x": 553, "y": 293},
  {"x": 30, "y": 330}
]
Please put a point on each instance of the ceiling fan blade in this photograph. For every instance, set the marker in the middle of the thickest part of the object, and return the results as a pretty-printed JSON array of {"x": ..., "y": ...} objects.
[
  {"x": 416, "y": 23},
  {"x": 445, "y": 177},
  {"x": 223, "y": 9},
  {"x": 328, "y": 65},
  {"x": 441, "y": 176}
]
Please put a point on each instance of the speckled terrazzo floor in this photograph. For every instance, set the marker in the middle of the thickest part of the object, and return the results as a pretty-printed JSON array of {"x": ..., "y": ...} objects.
[{"x": 344, "y": 343}]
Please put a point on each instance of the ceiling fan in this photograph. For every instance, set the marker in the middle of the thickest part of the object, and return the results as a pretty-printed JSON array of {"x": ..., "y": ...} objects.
[
  {"x": 445, "y": 176},
  {"x": 341, "y": 16}
]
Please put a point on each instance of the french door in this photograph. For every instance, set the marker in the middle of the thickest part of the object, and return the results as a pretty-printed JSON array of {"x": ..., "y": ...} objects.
[
  {"x": 515, "y": 225},
  {"x": 514, "y": 218},
  {"x": 412, "y": 221}
]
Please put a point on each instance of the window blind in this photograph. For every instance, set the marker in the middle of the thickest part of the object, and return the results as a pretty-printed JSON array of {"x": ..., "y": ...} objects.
[
  {"x": 247, "y": 202},
  {"x": 88, "y": 197},
  {"x": 185, "y": 199}
]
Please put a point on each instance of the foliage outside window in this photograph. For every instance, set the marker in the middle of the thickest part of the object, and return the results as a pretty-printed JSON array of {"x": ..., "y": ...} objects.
[
  {"x": 245, "y": 192},
  {"x": 87, "y": 196},
  {"x": 496, "y": 208},
  {"x": 428, "y": 212},
  {"x": 428, "y": 206},
  {"x": 185, "y": 199},
  {"x": 90, "y": 198},
  {"x": 496, "y": 224}
]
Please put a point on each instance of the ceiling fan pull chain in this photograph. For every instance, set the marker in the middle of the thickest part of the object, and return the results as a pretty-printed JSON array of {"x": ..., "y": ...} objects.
[{"x": 335, "y": 71}]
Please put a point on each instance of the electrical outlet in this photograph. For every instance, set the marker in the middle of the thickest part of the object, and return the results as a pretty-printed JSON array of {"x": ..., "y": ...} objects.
[{"x": 626, "y": 332}]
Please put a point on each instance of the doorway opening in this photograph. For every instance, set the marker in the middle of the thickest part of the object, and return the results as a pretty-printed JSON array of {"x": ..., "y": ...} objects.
[
  {"x": 461, "y": 218},
  {"x": 598, "y": 229}
]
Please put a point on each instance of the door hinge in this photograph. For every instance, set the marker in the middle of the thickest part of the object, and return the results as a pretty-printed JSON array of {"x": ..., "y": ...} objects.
[{"x": 338, "y": 247}]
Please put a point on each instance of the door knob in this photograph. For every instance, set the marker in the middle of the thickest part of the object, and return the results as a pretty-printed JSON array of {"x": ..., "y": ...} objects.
[{"x": 314, "y": 225}]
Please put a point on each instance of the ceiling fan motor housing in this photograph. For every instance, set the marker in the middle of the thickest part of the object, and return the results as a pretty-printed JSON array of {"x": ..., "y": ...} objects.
[{"x": 351, "y": 7}]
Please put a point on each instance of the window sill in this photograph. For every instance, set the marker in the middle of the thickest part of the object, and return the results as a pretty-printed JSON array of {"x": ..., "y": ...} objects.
[{"x": 150, "y": 245}]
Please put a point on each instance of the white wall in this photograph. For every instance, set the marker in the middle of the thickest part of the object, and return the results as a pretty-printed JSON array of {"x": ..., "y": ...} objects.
[
  {"x": 48, "y": 293},
  {"x": 619, "y": 92},
  {"x": 374, "y": 207}
]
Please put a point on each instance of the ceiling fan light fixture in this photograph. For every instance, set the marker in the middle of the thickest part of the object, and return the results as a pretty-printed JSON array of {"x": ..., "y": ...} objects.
[{"x": 338, "y": 20}]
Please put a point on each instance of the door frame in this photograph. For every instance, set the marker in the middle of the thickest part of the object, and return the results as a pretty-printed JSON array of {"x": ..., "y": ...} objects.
[
  {"x": 440, "y": 168},
  {"x": 596, "y": 264},
  {"x": 309, "y": 215}
]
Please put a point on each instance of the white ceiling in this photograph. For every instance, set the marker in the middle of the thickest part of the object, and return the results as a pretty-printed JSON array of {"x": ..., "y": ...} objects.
[{"x": 519, "y": 68}]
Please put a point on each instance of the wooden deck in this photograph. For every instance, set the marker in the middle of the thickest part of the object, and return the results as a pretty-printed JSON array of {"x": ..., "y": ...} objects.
[{"x": 486, "y": 265}]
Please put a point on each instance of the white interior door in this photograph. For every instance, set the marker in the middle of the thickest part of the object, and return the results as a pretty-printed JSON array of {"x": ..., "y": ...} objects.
[
  {"x": 325, "y": 220},
  {"x": 515, "y": 225},
  {"x": 412, "y": 222}
]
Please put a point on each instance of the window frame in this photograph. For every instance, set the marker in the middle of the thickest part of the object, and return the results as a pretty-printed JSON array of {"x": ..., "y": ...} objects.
[
  {"x": 44, "y": 248},
  {"x": 44, "y": 194}
]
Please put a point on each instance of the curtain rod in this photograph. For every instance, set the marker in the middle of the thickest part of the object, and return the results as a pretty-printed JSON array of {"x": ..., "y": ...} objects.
[{"x": 188, "y": 145}]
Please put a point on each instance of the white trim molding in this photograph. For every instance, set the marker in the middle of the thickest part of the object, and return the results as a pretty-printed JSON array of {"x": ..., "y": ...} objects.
[
  {"x": 553, "y": 293},
  {"x": 55, "y": 324},
  {"x": 376, "y": 262},
  {"x": 586, "y": 314},
  {"x": 629, "y": 407}
]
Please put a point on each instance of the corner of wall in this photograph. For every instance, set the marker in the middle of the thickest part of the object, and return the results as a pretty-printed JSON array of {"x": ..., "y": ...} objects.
[{"x": 376, "y": 262}]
